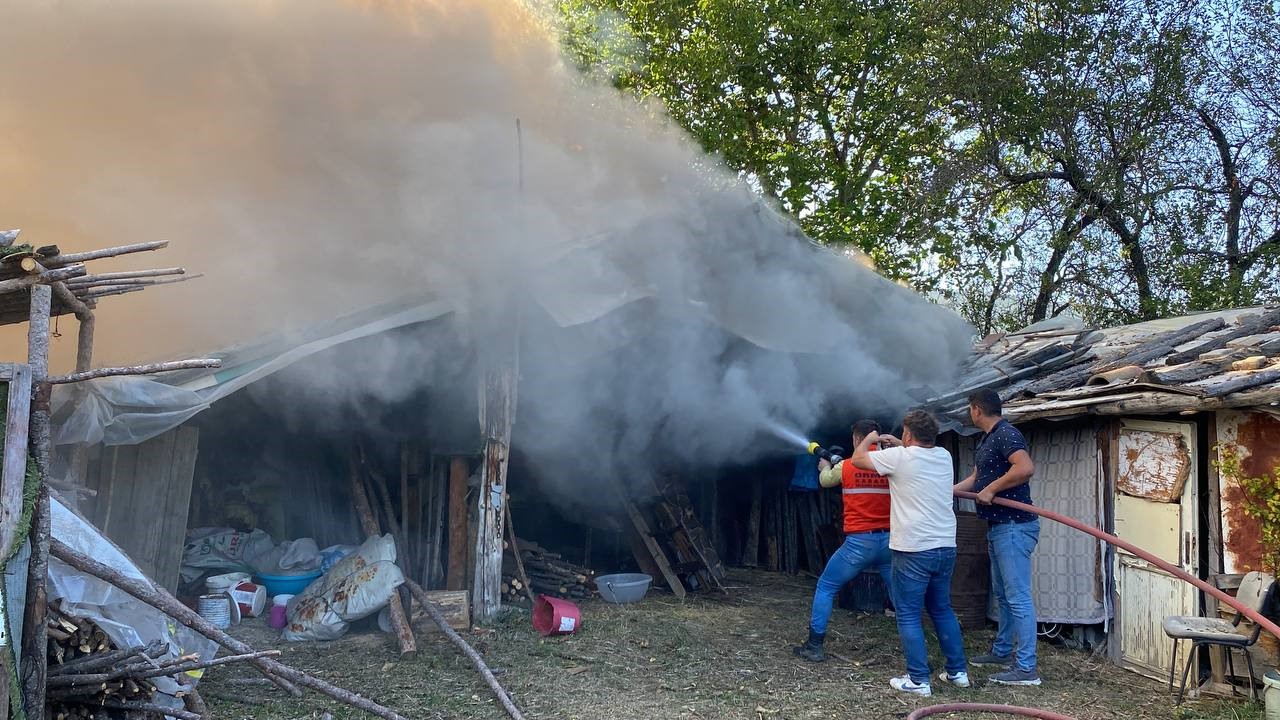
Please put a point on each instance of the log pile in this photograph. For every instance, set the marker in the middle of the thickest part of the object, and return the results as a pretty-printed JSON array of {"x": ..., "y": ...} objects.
[{"x": 548, "y": 573}]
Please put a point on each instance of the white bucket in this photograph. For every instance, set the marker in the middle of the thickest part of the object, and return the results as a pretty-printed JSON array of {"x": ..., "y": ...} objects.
[
  {"x": 251, "y": 597},
  {"x": 216, "y": 609},
  {"x": 218, "y": 584},
  {"x": 1271, "y": 694},
  {"x": 281, "y": 600}
]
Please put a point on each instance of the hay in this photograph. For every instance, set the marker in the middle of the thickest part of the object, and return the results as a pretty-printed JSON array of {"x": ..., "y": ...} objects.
[{"x": 709, "y": 657}]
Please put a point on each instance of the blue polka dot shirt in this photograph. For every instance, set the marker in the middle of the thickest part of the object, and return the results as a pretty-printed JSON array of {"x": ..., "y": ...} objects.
[{"x": 992, "y": 459}]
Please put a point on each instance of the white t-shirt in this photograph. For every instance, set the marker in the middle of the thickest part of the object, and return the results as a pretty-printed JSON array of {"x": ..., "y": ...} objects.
[{"x": 920, "y": 514}]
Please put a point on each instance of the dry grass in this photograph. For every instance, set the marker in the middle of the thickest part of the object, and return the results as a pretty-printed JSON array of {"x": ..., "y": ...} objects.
[{"x": 708, "y": 657}]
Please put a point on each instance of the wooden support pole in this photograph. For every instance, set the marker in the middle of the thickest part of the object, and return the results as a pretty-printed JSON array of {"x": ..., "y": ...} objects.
[
  {"x": 497, "y": 400},
  {"x": 34, "y": 630},
  {"x": 456, "y": 575},
  {"x": 81, "y": 376},
  {"x": 369, "y": 523},
  {"x": 68, "y": 259}
]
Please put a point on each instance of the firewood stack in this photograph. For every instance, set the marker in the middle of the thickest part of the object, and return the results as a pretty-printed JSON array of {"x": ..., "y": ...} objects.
[
  {"x": 549, "y": 574},
  {"x": 87, "y": 671}
]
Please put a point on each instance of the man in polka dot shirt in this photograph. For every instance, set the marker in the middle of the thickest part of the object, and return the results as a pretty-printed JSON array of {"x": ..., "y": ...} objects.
[{"x": 1004, "y": 469}]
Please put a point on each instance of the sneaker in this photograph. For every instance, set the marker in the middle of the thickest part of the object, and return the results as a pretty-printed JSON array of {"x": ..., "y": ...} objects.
[
  {"x": 907, "y": 685},
  {"x": 1014, "y": 676},
  {"x": 960, "y": 679},
  {"x": 993, "y": 660},
  {"x": 812, "y": 652}
]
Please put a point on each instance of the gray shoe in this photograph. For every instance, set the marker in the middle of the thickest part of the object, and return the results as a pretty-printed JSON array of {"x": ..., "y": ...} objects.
[
  {"x": 1014, "y": 676},
  {"x": 993, "y": 660},
  {"x": 813, "y": 652}
]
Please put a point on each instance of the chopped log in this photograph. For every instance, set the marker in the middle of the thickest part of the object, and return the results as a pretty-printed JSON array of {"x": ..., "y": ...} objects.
[
  {"x": 94, "y": 662},
  {"x": 68, "y": 259},
  {"x": 421, "y": 596},
  {"x": 152, "y": 708},
  {"x": 144, "y": 670},
  {"x": 369, "y": 524},
  {"x": 136, "y": 370},
  {"x": 41, "y": 278},
  {"x": 1185, "y": 373},
  {"x": 166, "y": 603},
  {"x": 515, "y": 550}
]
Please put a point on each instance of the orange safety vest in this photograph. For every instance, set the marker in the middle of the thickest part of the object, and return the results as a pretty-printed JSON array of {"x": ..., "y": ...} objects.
[{"x": 866, "y": 499}]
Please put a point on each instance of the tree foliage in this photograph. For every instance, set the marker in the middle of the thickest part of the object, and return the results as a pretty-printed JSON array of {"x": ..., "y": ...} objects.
[{"x": 1016, "y": 158}]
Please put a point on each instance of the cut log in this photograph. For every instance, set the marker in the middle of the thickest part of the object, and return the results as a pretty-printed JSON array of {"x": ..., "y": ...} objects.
[
  {"x": 68, "y": 259},
  {"x": 43, "y": 278},
  {"x": 127, "y": 275}
]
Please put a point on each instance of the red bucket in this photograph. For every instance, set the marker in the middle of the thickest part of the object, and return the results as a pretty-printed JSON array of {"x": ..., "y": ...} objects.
[{"x": 553, "y": 616}]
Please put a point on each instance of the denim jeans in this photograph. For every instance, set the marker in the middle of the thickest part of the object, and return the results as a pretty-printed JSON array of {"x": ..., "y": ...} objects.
[
  {"x": 865, "y": 551},
  {"x": 1011, "y": 545},
  {"x": 922, "y": 582}
]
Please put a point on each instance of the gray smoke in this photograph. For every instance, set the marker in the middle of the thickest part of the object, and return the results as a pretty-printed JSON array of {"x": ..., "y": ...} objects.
[{"x": 312, "y": 157}]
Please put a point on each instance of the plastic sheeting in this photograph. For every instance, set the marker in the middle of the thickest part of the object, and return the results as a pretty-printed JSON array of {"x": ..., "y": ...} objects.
[{"x": 126, "y": 620}]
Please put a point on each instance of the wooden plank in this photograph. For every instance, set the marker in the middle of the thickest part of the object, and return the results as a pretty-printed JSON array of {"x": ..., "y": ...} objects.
[
  {"x": 655, "y": 551},
  {"x": 172, "y": 538},
  {"x": 455, "y": 605},
  {"x": 456, "y": 577},
  {"x": 13, "y": 472},
  {"x": 751, "y": 544}
]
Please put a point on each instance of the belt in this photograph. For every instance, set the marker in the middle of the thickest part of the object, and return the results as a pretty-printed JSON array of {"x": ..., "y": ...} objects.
[{"x": 866, "y": 532}]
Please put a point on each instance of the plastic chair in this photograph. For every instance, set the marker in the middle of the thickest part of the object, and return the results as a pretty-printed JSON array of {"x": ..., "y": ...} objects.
[{"x": 1257, "y": 591}]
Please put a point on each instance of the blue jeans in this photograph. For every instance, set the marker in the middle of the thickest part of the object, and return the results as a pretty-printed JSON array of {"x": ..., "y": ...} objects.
[
  {"x": 922, "y": 581},
  {"x": 1011, "y": 545},
  {"x": 865, "y": 551}
]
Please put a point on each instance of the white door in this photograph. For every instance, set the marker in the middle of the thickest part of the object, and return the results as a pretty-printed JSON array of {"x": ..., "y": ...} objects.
[{"x": 1155, "y": 509}]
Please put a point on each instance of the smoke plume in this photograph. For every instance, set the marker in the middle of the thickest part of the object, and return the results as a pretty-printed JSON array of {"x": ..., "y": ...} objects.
[{"x": 313, "y": 157}]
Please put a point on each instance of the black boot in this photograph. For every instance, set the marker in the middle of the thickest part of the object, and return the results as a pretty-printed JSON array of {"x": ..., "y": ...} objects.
[{"x": 811, "y": 650}]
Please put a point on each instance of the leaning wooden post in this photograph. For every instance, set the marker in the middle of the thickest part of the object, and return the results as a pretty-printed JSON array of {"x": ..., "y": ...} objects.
[
  {"x": 35, "y": 639},
  {"x": 497, "y": 401}
]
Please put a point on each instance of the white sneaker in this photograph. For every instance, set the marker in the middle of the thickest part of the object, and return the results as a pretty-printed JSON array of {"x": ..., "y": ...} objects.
[
  {"x": 907, "y": 685},
  {"x": 960, "y": 679}
]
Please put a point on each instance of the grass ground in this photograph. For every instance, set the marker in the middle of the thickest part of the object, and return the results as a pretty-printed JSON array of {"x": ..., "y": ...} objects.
[{"x": 711, "y": 657}]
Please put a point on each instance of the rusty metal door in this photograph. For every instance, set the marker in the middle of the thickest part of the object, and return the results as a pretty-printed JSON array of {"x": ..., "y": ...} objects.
[{"x": 1155, "y": 508}]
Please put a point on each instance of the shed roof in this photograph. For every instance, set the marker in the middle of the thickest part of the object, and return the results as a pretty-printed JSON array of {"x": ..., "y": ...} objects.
[{"x": 1059, "y": 369}]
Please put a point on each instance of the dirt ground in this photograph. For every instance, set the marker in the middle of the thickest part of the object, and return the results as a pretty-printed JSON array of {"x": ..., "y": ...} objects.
[{"x": 708, "y": 657}]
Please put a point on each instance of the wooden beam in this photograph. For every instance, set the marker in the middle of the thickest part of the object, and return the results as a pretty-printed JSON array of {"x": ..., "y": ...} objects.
[
  {"x": 126, "y": 275},
  {"x": 34, "y": 630},
  {"x": 135, "y": 370},
  {"x": 68, "y": 259},
  {"x": 497, "y": 405},
  {"x": 650, "y": 544},
  {"x": 456, "y": 575}
]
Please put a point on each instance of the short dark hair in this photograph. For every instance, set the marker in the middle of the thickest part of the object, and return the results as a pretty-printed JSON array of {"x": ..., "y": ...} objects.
[
  {"x": 924, "y": 429},
  {"x": 865, "y": 427},
  {"x": 988, "y": 401}
]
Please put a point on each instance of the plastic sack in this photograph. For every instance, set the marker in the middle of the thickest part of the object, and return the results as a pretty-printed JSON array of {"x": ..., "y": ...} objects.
[
  {"x": 223, "y": 549},
  {"x": 300, "y": 554},
  {"x": 126, "y": 620},
  {"x": 358, "y": 586},
  {"x": 332, "y": 554}
]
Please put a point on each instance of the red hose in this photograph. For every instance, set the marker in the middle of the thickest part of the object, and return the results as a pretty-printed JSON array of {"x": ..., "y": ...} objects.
[
  {"x": 1177, "y": 572},
  {"x": 981, "y": 707}
]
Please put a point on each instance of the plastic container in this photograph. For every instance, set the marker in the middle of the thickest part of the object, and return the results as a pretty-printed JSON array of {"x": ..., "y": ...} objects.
[
  {"x": 623, "y": 587},
  {"x": 216, "y": 609},
  {"x": 251, "y": 598},
  {"x": 279, "y": 615},
  {"x": 218, "y": 584},
  {"x": 553, "y": 616},
  {"x": 1271, "y": 695},
  {"x": 288, "y": 584}
]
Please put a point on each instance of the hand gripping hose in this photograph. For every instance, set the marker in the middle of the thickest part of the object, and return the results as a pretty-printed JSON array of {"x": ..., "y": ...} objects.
[{"x": 1173, "y": 570}]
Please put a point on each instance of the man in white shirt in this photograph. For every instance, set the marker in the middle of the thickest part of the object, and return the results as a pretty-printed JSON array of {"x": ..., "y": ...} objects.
[{"x": 922, "y": 537}]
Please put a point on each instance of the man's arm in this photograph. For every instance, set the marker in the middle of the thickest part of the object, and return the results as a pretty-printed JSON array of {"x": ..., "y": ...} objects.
[
  {"x": 828, "y": 474},
  {"x": 966, "y": 485},
  {"x": 1020, "y": 471},
  {"x": 862, "y": 454}
]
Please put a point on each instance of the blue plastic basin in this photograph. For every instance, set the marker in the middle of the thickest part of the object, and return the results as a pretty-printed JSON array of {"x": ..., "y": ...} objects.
[{"x": 287, "y": 584}]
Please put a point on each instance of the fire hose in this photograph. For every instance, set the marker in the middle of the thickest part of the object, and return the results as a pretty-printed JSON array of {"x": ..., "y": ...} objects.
[{"x": 1173, "y": 570}]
